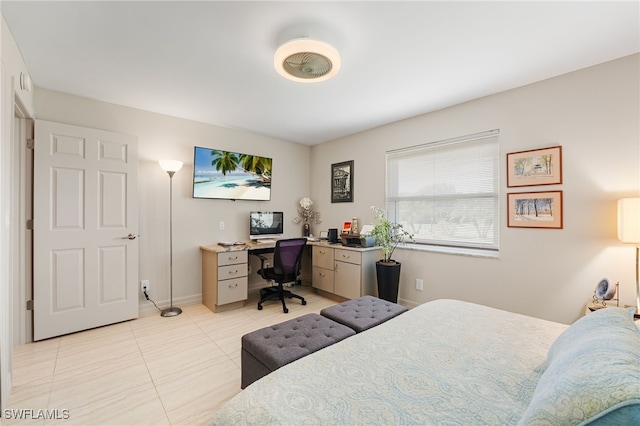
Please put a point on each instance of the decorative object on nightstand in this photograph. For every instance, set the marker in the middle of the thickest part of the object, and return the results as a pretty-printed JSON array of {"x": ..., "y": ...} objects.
[
  {"x": 629, "y": 233},
  {"x": 171, "y": 167},
  {"x": 604, "y": 292}
]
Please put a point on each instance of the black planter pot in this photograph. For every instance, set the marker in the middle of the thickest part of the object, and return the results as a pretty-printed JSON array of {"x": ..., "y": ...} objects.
[{"x": 388, "y": 275}]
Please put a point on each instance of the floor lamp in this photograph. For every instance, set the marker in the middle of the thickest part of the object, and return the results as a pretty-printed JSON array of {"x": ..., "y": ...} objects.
[
  {"x": 171, "y": 167},
  {"x": 629, "y": 232}
]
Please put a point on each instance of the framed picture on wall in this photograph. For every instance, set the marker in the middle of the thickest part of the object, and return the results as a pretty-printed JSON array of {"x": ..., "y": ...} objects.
[
  {"x": 342, "y": 182},
  {"x": 535, "y": 210},
  {"x": 535, "y": 167}
]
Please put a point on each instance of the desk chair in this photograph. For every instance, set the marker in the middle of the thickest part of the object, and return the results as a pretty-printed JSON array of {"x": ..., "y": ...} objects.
[{"x": 286, "y": 268}]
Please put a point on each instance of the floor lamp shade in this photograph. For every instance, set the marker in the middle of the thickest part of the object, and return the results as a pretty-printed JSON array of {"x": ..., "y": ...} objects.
[
  {"x": 629, "y": 232},
  {"x": 171, "y": 167}
]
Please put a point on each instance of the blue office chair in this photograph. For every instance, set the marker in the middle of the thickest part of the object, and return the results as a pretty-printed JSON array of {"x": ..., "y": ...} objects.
[{"x": 287, "y": 259}]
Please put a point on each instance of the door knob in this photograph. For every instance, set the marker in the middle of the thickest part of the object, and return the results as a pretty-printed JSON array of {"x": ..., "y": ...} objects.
[{"x": 130, "y": 237}]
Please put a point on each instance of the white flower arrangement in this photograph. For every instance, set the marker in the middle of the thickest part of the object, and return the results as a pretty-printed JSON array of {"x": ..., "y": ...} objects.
[{"x": 306, "y": 214}]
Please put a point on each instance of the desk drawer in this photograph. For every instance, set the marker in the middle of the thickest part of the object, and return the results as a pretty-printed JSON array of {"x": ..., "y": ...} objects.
[
  {"x": 232, "y": 271},
  {"x": 232, "y": 257},
  {"x": 233, "y": 290},
  {"x": 322, "y": 257},
  {"x": 349, "y": 256},
  {"x": 322, "y": 279}
]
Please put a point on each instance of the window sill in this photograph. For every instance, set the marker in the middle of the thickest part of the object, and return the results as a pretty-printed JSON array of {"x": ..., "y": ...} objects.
[{"x": 460, "y": 251}]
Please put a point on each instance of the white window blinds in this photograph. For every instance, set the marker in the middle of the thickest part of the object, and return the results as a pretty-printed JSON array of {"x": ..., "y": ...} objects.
[{"x": 447, "y": 192}]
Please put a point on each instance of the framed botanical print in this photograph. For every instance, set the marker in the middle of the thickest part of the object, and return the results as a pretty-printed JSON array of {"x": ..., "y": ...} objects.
[
  {"x": 535, "y": 167},
  {"x": 342, "y": 182}
]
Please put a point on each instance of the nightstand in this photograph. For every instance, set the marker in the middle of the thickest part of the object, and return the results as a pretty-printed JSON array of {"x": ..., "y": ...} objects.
[{"x": 591, "y": 306}]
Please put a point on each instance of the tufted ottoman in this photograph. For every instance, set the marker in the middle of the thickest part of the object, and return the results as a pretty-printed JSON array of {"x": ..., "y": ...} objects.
[
  {"x": 269, "y": 348},
  {"x": 363, "y": 313}
]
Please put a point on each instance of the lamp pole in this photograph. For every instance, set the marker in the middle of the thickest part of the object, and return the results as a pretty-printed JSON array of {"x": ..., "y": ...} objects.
[{"x": 171, "y": 167}]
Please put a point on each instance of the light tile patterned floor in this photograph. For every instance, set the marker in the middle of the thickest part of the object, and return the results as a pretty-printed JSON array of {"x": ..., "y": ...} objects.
[{"x": 149, "y": 371}]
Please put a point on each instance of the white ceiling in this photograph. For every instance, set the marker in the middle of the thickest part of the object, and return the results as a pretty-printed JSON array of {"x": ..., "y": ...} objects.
[{"x": 212, "y": 61}]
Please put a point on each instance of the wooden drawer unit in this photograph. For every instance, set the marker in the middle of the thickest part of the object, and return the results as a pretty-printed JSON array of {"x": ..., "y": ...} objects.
[
  {"x": 344, "y": 271},
  {"x": 224, "y": 279}
]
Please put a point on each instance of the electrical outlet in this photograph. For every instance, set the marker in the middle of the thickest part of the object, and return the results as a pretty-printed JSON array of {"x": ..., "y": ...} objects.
[
  {"x": 419, "y": 284},
  {"x": 144, "y": 286},
  {"x": 222, "y": 225}
]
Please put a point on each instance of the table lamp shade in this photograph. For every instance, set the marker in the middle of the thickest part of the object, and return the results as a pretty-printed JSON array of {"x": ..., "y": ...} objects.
[{"x": 629, "y": 220}]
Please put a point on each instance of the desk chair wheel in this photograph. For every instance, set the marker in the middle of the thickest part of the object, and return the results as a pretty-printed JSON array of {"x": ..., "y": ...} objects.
[
  {"x": 259, "y": 307},
  {"x": 286, "y": 310},
  {"x": 304, "y": 302}
]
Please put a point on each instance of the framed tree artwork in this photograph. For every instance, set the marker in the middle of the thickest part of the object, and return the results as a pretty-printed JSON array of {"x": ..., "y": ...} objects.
[
  {"x": 342, "y": 182},
  {"x": 535, "y": 210},
  {"x": 535, "y": 167}
]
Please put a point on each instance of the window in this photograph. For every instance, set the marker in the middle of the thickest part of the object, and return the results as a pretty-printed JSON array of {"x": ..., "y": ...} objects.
[{"x": 447, "y": 192}]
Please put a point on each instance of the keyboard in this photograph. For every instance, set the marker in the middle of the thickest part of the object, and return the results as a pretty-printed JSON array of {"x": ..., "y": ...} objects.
[{"x": 265, "y": 241}]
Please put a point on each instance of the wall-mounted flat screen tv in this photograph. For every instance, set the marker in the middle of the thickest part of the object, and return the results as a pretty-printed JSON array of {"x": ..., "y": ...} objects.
[{"x": 230, "y": 175}]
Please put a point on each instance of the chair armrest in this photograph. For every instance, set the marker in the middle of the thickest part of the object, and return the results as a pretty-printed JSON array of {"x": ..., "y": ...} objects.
[{"x": 262, "y": 258}]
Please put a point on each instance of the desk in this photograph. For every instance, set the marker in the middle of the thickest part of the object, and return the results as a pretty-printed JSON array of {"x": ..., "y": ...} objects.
[{"x": 347, "y": 272}]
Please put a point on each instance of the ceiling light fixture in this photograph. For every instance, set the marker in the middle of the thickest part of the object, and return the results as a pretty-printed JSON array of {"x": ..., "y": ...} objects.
[{"x": 307, "y": 60}]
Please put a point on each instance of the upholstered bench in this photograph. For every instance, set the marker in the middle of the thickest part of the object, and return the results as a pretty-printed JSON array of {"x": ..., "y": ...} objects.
[
  {"x": 363, "y": 313},
  {"x": 269, "y": 348}
]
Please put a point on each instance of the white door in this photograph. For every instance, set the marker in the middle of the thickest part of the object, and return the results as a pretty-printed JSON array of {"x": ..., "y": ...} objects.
[{"x": 85, "y": 251}]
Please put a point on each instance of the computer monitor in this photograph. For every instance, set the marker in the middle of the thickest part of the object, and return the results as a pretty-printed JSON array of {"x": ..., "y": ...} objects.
[{"x": 264, "y": 225}]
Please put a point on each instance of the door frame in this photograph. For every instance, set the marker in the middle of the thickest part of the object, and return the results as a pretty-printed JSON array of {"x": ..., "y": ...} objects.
[{"x": 22, "y": 241}]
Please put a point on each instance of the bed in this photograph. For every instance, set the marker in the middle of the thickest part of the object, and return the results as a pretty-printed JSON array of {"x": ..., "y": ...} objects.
[{"x": 449, "y": 362}]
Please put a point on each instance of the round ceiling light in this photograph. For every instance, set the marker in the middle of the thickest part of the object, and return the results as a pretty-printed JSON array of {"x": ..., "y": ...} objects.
[{"x": 307, "y": 60}]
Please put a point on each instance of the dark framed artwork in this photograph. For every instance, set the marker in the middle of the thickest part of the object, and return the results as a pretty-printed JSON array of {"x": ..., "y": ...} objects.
[
  {"x": 342, "y": 182},
  {"x": 535, "y": 210},
  {"x": 535, "y": 167}
]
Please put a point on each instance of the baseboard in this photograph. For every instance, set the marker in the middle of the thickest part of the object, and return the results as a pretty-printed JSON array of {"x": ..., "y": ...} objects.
[
  {"x": 407, "y": 303},
  {"x": 146, "y": 308}
]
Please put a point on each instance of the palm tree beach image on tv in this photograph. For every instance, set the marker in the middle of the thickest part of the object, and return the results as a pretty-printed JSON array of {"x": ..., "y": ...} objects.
[{"x": 229, "y": 175}]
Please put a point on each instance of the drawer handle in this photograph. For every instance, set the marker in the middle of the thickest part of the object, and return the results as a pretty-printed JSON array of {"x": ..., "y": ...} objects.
[
  {"x": 322, "y": 274},
  {"x": 233, "y": 272},
  {"x": 321, "y": 251},
  {"x": 233, "y": 285},
  {"x": 233, "y": 258},
  {"x": 346, "y": 256}
]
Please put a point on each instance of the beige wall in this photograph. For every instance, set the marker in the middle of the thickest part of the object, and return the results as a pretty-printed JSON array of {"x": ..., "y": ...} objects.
[
  {"x": 594, "y": 114},
  {"x": 195, "y": 221}
]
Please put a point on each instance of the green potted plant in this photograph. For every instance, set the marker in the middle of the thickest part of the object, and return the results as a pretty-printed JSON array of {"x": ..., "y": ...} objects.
[{"x": 388, "y": 236}]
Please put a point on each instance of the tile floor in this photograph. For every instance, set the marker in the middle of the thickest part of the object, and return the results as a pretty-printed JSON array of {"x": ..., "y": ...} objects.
[{"x": 148, "y": 371}]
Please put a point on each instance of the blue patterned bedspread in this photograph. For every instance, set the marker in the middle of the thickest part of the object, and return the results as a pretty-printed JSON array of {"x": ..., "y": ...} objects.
[{"x": 444, "y": 362}]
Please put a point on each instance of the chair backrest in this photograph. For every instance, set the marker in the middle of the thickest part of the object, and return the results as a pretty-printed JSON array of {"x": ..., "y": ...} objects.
[{"x": 287, "y": 257}]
